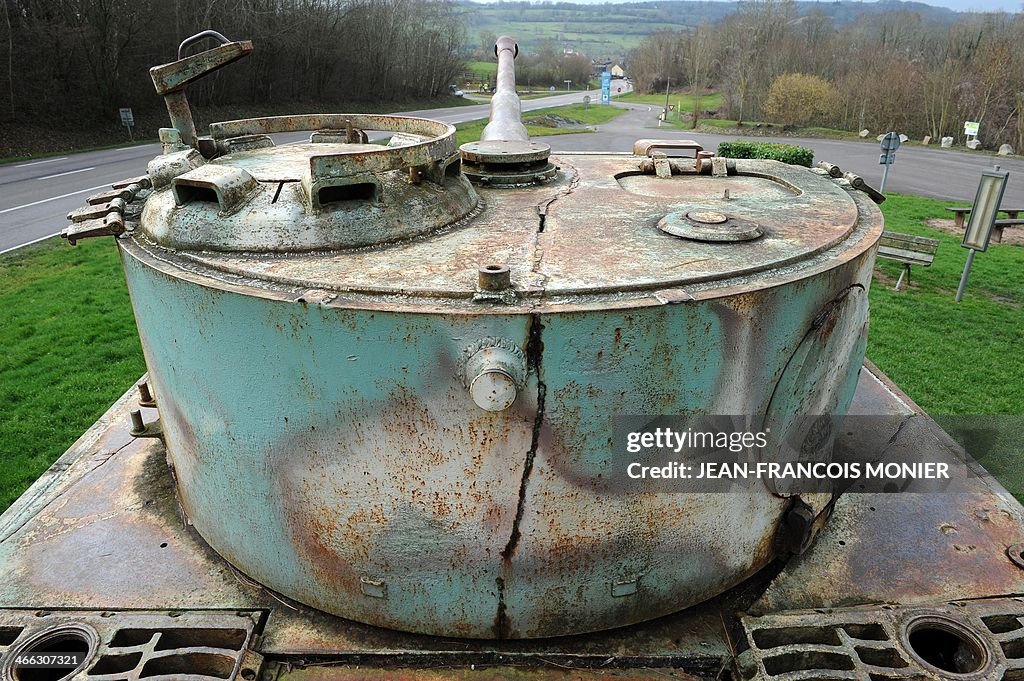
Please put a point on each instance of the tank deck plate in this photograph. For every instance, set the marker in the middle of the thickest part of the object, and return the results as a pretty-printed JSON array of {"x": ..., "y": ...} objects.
[{"x": 101, "y": 532}]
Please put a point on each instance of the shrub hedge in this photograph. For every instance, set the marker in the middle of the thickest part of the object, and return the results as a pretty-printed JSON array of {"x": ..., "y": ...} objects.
[{"x": 787, "y": 153}]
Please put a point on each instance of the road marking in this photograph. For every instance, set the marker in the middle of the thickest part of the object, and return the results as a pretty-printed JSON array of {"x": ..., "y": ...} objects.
[
  {"x": 29, "y": 243},
  {"x": 37, "y": 163},
  {"x": 54, "y": 198},
  {"x": 70, "y": 172}
]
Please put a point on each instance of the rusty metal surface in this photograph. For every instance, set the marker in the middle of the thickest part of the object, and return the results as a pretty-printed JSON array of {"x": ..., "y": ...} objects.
[
  {"x": 645, "y": 147},
  {"x": 478, "y": 673},
  {"x": 105, "y": 523},
  {"x": 174, "y": 76},
  {"x": 342, "y": 121},
  {"x": 309, "y": 197},
  {"x": 286, "y": 211},
  {"x": 599, "y": 237},
  {"x": 321, "y": 478},
  {"x": 109, "y": 501},
  {"x": 861, "y": 556},
  {"x": 342, "y": 541},
  {"x": 523, "y": 151},
  {"x": 170, "y": 80}
]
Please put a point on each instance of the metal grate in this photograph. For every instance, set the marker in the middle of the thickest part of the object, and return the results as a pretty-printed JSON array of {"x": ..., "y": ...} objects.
[
  {"x": 132, "y": 646},
  {"x": 8, "y": 635},
  {"x": 973, "y": 641}
]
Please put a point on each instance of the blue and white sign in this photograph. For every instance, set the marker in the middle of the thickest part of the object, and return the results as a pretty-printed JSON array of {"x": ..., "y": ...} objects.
[{"x": 606, "y": 88}]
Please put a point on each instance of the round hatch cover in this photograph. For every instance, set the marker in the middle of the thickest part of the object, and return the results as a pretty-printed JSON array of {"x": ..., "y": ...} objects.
[{"x": 699, "y": 224}]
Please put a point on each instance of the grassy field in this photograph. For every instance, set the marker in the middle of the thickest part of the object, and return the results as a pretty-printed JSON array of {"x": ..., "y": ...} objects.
[
  {"x": 593, "y": 115},
  {"x": 70, "y": 344},
  {"x": 951, "y": 358},
  {"x": 683, "y": 101},
  {"x": 70, "y": 349},
  {"x": 539, "y": 94},
  {"x": 753, "y": 128},
  {"x": 482, "y": 70},
  {"x": 597, "y": 31}
]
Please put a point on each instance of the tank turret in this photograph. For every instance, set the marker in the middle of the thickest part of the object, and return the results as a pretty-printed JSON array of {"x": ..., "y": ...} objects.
[{"x": 387, "y": 368}]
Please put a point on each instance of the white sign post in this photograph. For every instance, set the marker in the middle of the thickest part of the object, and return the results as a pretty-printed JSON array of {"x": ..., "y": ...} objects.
[
  {"x": 971, "y": 130},
  {"x": 890, "y": 143},
  {"x": 128, "y": 121}
]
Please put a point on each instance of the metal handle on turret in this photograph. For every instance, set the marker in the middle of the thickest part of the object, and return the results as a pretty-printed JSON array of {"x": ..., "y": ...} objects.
[{"x": 170, "y": 80}]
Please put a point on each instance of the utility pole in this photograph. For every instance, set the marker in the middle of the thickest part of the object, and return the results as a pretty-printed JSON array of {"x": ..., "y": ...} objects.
[{"x": 668, "y": 81}]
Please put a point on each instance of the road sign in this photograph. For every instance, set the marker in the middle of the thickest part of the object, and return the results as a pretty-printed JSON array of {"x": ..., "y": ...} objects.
[
  {"x": 586, "y": 101},
  {"x": 606, "y": 88},
  {"x": 128, "y": 121},
  {"x": 971, "y": 128},
  {"x": 891, "y": 142}
]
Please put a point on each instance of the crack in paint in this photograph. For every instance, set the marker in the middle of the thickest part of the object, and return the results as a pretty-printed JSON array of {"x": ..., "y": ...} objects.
[
  {"x": 534, "y": 357},
  {"x": 542, "y": 207}
]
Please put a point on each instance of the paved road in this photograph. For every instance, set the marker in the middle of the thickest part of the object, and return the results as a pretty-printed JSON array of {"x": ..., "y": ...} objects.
[{"x": 36, "y": 196}]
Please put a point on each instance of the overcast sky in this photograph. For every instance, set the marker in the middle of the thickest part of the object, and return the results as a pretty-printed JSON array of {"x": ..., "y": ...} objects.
[{"x": 983, "y": 6}]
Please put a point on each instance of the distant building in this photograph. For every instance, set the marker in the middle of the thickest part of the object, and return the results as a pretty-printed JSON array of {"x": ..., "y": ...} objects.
[
  {"x": 618, "y": 72},
  {"x": 600, "y": 66}
]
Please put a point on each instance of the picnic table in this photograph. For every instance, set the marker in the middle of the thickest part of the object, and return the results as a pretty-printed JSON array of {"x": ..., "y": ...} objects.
[{"x": 960, "y": 214}]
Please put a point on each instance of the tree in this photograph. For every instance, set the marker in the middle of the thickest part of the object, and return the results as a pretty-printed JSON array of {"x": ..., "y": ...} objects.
[
  {"x": 800, "y": 99},
  {"x": 699, "y": 60}
]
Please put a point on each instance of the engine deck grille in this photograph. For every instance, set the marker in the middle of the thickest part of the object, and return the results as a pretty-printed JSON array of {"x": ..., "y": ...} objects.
[
  {"x": 970, "y": 640},
  {"x": 132, "y": 646}
]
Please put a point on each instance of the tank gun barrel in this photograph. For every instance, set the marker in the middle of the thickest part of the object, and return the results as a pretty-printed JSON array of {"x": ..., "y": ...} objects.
[
  {"x": 504, "y": 155},
  {"x": 506, "y": 109}
]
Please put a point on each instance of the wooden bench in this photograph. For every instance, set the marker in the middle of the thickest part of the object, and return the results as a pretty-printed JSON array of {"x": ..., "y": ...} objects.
[
  {"x": 907, "y": 249},
  {"x": 960, "y": 217},
  {"x": 1000, "y": 225}
]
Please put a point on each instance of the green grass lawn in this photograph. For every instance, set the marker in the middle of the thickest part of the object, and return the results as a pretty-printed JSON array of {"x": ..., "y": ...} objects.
[
  {"x": 71, "y": 349},
  {"x": 540, "y": 94},
  {"x": 682, "y": 100},
  {"x": 595, "y": 114},
  {"x": 754, "y": 128},
  {"x": 482, "y": 70},
  {"x": 951, "y": 358},
  {"x": 954, "y": 359}
]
